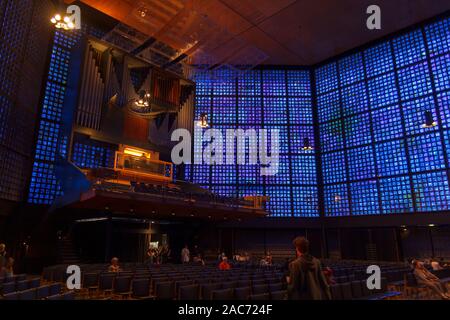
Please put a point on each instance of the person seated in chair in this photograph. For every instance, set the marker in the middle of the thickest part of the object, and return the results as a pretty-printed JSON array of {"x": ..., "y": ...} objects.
[
  {"x": 9, "y": 267},
  {"x": 114, "y": 267},
  {"x": 426, "y": 278},
  {"x": 224, "y": 265}
]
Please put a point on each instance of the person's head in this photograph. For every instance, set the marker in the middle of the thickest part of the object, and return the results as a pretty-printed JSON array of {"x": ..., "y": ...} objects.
[
  {"x": 115, "y": 261},
  {"x": 224, "y": 259},
  {"x": 301, "y": 245},
  {"x": 2, "y": 247},
  {"x": 417, "y": 264}
]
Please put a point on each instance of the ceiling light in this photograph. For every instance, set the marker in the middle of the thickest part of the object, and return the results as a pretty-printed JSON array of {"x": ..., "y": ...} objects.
[
  {"x": 62, "y": 22},
  {"x": 429, "y": 122},
  {"x": 307, "y": 144}
]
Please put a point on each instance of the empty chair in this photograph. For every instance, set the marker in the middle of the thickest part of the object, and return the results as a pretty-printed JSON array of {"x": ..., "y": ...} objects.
[
  {"x": 9, "y": 287},
  {"x": 336, "y": 292},
  {"x": 34, "y": 283},
  {"x": 29, "y": 294},
  {"x": 90, "y": 282},
  {"x": 190, "y": 292},
  {"x": 55, "y": 288},
  {"x": 242, "y": 293},
  {"x": 262, "y": 296},
  {"x": 346, "y": 291},
  {"x": 223, "y": 294},
  {"x": 11, "y": 296},
  {"x": 357, "y": 292},
  {"x": 122, "y": 286},
  {"x": 207, "y": 290},
  {"x": 258, "y": 289},
  {"x": 229, "y": 284},
  {"x": 69, "y": 295},
  {"x": 141, "y": 289},
  {"x": 164, "y": 290},
  {"x": 181, "y": 283},
  {"x": 55, "y": 297},
  {"x": 243, "y": 283},
  {"x": 258, "y": 282},
  {"x": 22, "y": 285},
  {"x": 105, "y": 282},
  {"x": 277, "y": 286},
  {"x": 42, "y": 292},
  {"x": 278, "y": 295}
]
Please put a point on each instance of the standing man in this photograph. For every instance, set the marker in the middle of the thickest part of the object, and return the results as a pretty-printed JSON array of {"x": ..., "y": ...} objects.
[
  {"x": 185, "y": 254},
  {"x": 3, "y": 259},
  {"x": 306, "y": 280}
]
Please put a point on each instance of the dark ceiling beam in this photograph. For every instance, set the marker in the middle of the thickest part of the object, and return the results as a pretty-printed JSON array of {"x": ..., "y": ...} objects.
[{"x": 143, "y": 46}]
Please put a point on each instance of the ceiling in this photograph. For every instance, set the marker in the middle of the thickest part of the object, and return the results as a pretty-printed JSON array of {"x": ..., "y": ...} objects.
[{"x": 289, "y": 32}]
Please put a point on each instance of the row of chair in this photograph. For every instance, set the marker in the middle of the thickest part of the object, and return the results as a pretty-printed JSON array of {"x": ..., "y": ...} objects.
[
  {"x": 358, "y": 290},
  {"x": 39, "y": 293},
  {"x": 12, "y": 286}
]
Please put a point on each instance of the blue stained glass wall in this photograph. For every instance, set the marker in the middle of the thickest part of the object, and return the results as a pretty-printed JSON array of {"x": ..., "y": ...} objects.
[
  {"x": 377, "y": 156},
  {"x": 269, "y": 99}
]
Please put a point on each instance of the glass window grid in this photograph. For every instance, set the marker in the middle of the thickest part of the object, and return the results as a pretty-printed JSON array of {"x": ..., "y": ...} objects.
[
  {"x": 378, "y": 59},
  {"x": 336, "y": 200},
  {"x": 280, "y": 201},
  {"x": 298, "y": 83},
  {"x": 354, "y": 99},
  {"x": 414, "y": 81},
  {"x": 431, "y": 191},
  {"x": 441, "y": 71},
  {"x": 361, "y": 163},
  {"x": 364, "y": 197},
  {"x": 333, "y": 167},
  {"x": 438, "y": 37},
  {"x": 351, "y": 69},
  {"x": 391, "y": 158},
  {"x": 396, "y": 195},
  {"x": 409, "y": 48},
  {"x": 382, "y": 90},
  {"x": 326, "y": 78},
  {"x": 331, "y": 136},
  {"x": 426, "y": 153},
  {"x": 413, "y": 113},
  {"x": 328, "y": 106},
  {"x": 357, "y": 130},
  {"x": 305, "y": 201},
  {"x": 387, "y": 123}
]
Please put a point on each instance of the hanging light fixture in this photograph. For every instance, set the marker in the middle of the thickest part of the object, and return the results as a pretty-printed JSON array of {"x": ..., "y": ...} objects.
[
  {"x": 429, "y": 121},
  {"x": 62, "y": 22},
  {"x": 144, "y": 99},
  {"x": 307, "y": 144},
  {"x": 203, "y": 122}
]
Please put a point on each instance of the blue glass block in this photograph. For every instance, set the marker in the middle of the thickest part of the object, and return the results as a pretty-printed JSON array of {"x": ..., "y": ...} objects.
[
  {"x": 223, "y": 174},
  {"x": 326, "y": 78},
  {"x": 305, "y": 201},
  {"x": 447, "y": 144},
  {"x": 203, "y": 84},
  {"x": 303, "y": 169},
  {"x": 300, "y": 111},
  {"x": 201, "y": 173},
  {"x": 224, "y": 82},
  {"x": 188, "y": 172},
  {"x": 224, "y": 110},
  {"x": 249, "y": 84},
  {"x": 361, "y": 164},
  {"x": 279, "y": 204},
  {"x": 364, "y": 198},
  {"x": 250, "y": 191},
  {"x": 354, "y": 99},
  {"x": 92, "y": 156},
  {"x": 283, "y": 142},
  {"x": 283, "y": 175},
  {"x": 426, "y": 152},
  {"x": 382, "y": 91},
  {"x": 53, "y": 102},
  {"x": 274, "y": 83},
  {"x": 444, "y": 108},
  {"x": 249, "y": 110},
  {"x": 432, "y": 191},
  {"x": 331, "y": 137},
  {"x": 351, "y": 69},
  {"x": 414, "y": 81},
  {"x": 387, "y": 123},
  {"x": 249, "y": 174},
  {"x": 396, "y": 195},
  {"x": 333, "y": 167},
  {"x": 357, "y": 130},
  {"x": 413, "y": 112},
  {"x": 275, "y": 111},
  {"x": 441, "y": 72},
  {"x": 409, "y": 48},
  {"x": 336, "y": 200},
  {"x": 299, "y": 83},
  {"x": 225, "y": 191},
  {"x": 391, "y": 158},
  {"x": 328, "y": 106},
  {"x": 47, "y": 142},
  {"x": 438, "y": 37},
  {"x": 379, "y": 59},
  {"x": 297, "y": 136},
  {"x": 44, "y": 187}
]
